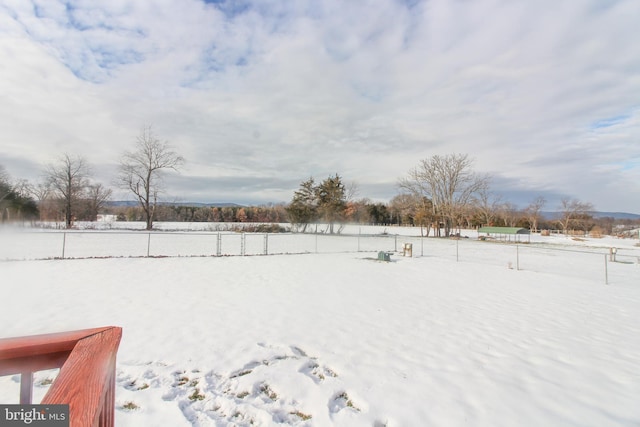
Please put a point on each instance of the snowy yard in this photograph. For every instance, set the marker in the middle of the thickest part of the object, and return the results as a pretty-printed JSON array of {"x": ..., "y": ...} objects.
[{"x": 341, "y": 339}]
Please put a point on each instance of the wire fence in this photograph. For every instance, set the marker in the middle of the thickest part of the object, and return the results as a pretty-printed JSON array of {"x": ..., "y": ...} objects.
[
  {"x": 594, "y": 264},
  {"x": 97, "y": 244}
]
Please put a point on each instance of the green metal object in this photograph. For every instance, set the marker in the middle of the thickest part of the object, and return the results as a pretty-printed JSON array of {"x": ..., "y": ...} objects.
[
  {"x": 503, "y": 230},
  {"x": 503, "y": 233},
  {"x": 384, "y": 256}
]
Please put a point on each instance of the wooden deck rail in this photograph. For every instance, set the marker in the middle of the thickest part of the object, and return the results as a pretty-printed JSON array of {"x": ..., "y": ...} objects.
[{"x": 87, "y": 362}]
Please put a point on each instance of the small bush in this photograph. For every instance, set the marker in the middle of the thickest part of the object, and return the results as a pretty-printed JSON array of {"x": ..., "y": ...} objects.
[
  {"x": 196, "y": 395},
  {"x": 301, "y": 415},
  {"x": 265, "y": 389},
  {"x": 259, "y": 228},
  {"x": 596, "y": 232},
  {"x": 130, "y": 406}
]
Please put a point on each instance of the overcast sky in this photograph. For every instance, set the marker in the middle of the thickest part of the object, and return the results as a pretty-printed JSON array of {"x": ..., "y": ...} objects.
[{"x": 259, "y": 96}]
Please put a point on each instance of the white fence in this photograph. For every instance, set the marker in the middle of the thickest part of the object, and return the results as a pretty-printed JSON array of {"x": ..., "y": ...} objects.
[{"x": 594, "y": 264}]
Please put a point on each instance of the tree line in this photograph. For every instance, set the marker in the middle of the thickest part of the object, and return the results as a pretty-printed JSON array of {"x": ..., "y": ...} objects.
[
  {"x": 67, "y": 190},
  {"x": 15, "y": 199},
  {"x": 441, "y": 195},
  {"x": 185, "y": 213}
]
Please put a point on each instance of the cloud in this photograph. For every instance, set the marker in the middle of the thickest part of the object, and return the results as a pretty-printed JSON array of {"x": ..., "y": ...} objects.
[
  {"x": 611, "y": 121},
  {"x": 543, "y": 95}
]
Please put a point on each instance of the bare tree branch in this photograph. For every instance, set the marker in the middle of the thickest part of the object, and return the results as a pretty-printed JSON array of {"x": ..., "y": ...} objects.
[
  {"x": 68, "y": 179},
  {"x": 533, "y": 212},
  {"x": 141, "y": 170},
  {"x": 449, "y": 182},
  {"x": 573, "y": 213}
]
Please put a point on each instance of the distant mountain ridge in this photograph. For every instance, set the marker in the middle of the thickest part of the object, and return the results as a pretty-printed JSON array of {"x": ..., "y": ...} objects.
[{"x": 615, "y": 215}]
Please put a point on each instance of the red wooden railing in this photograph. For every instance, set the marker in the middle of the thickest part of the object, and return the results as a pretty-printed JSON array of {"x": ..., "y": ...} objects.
[{"x": 87, "y": 362}]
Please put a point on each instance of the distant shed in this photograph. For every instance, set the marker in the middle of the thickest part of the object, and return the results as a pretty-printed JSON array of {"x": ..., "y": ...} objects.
[{"x": 504, "y": 233}]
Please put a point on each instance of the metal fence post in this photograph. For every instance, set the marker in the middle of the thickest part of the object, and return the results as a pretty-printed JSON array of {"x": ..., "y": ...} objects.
[
  {"x": 219, "y": 245},
  {"x": 606, "y": 271},
  {"x": 243, "y": 244},
  {"x": 457, "y": 250},
  {"x": 266, "y": 244},
  {"x": 517, "y": 257},
  {"x": 64, "y": 243},
  {"x": 148, "y": 244}
]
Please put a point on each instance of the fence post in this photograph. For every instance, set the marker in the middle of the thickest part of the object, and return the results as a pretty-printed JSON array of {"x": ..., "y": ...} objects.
[
  {"x": 421, "y": 245},
  {"x": 243, "y": 242},
  {"x": 26, "y": 388},
  {"x": 606, "y": 271},
  {"x": 219, "y": 245},
  {"x": 148, "y": 244},
  {"x": 266, "y": 244},
  {"x": 316, "y": 241},
  {"x": 359, "y": 232},
  {"x": 457, "y": 250},
  {"x": 64, "y": 243},
  {"x": 517, "y": 257},
  {"x": 395, "y": 243}
]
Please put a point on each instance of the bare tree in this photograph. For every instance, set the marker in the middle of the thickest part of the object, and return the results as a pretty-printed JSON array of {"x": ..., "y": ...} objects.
[
  {"x": 42, "y": 192},
  {"x": 403, "y": 206},
  {"x": 573, "y": 213},
  {"x": 487, "y": 206},
  {"x": 23, "y": 187},
  {"x": 357, "y": 210},
  {"x": 448, "y": 182},
  {"x": 68, "y": 179},
  {"x": 412, "y": 209},
  {"x": 508, "y": 213},
  {"x": 533, "y": 212},
  {"x": 96, "y": 197},
  {"x": 141, "y": 170}
]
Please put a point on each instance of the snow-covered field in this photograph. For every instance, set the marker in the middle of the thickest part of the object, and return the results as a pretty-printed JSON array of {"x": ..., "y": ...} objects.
[{"x": 324, "y": 339}]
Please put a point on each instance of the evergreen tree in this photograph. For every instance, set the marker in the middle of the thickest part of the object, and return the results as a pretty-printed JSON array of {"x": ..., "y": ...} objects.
[
  {"x": 15, "y": 202},
  {"x": 303, "y": 208},
  {"x": 332, "y": 200}
]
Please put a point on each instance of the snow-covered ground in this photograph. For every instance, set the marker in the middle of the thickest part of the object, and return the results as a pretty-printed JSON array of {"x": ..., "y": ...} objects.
[{"x": 324, "y": 339}]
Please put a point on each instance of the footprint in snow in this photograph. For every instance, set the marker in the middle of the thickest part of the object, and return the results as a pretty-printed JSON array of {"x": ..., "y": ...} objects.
[
  {"x": 341, "y": 401},
  {"x": 316, "y": 372},
  {"x": 137, "y": 382},
  {"x": 246, "y": 369},
  {"x": 298, "y": 351}
]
